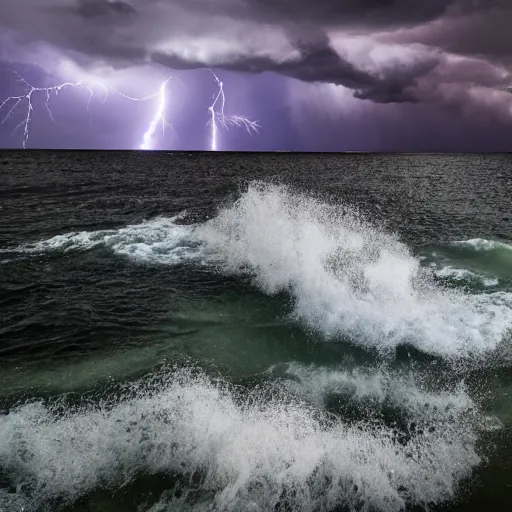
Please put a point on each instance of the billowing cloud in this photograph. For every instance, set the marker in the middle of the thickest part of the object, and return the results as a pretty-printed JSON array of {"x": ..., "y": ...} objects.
[
  {"x": 386, "y": 51},
  {"x": 330, "y": 13}
]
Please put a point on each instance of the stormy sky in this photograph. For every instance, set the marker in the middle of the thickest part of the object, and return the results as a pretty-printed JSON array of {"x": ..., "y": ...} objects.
[{"x": 316, "y": 75}]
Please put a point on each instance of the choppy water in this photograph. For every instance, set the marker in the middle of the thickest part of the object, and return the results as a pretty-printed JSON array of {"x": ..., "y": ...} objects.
[{"x": 255, "y": 332}]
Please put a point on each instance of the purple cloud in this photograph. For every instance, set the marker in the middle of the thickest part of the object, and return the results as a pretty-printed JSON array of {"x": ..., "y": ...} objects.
[{"x": 450, "y": 54}]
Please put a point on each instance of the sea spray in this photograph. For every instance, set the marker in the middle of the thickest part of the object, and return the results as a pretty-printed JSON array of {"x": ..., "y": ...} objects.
[
  {"x": 263, "y": 447},
  {"x": 348, "y": 278},
  {"x": 285, "y": 443}
]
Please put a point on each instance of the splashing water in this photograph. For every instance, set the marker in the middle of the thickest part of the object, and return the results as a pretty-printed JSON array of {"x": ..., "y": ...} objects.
[
  {"x": 346, "y": 277},
  {"x": 278, "y": 445},
  {"x": 254, "y": 451}
]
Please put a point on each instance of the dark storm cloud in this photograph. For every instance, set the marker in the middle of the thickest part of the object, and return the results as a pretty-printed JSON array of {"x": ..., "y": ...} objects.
[
  {"x": 293, "y": 38},
  {"x": 485, "y": 32},
  {"x": 329, "y": 12},
  {"x": 36, "y": 75},
  {"x": 372, "y": 13},
  {"x": 323, "y": 64},
  {"x": 101, "y": 8}
]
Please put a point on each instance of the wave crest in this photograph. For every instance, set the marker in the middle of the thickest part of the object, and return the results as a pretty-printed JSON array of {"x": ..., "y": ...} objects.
[
  {"x": 254, "y": 449},
  {"x": 347, "y": 278}
]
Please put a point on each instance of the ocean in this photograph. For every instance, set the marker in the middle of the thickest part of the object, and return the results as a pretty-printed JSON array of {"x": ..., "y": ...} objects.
[{"x": 255, "y": 332}]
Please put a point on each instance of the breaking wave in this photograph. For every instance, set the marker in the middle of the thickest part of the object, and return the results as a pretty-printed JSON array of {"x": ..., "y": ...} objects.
[
  {"x": 346, "y": 277},
  {"x": 307, "y": 437},
  {"x": 481, "y": 244},
  {"x": 161, "y": 240},
  {"x": 241, "y": 449}
]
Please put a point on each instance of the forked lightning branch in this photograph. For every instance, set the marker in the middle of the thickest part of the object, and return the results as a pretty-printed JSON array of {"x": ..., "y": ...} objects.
[{"x": 22, "y": 106}]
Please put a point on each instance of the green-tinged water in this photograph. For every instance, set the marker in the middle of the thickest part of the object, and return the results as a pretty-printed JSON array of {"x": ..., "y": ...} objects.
[{"x": 228, "y": 332}]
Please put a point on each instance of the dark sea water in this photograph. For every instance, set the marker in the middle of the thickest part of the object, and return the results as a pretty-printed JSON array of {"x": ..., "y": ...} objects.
[{"x": 230, "y": 332}]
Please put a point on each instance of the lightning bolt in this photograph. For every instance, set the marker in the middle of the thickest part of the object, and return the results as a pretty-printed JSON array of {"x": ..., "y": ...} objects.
[
  {"x": 27, "y": 99},
  {"x": 159, "y": 117},
  {"x": 218, "y": 118}
]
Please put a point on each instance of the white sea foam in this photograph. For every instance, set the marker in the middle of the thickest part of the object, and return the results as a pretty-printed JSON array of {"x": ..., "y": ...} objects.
[
  {"x": 379, "y": 387},
  {"x": 250, "y": 452},
  {"x": 160, "y": 240},
  {"x": 482, "y": 244},
  {"x": 490, "y": 282},
  {"x": 349, "y": 278},
  {"x": 458, "y": 274},
  {"x": 461, "y": 274}
]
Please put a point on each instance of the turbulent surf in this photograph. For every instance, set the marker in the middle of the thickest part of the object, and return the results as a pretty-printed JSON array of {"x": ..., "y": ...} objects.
[{"x": 311, "y": 361}]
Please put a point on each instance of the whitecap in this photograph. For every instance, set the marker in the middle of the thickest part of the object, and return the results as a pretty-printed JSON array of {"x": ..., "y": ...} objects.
[
  {"x": 346, "y": 277},
  {"x": 349, "y": 278},
  {"x": 251, "y": 450},
  {"x": 482, "y": 244},
  {"x": 160, "y": 240}
]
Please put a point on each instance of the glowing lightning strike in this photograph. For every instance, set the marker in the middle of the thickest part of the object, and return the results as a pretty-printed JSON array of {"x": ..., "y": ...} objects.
[
  {"x": 158, "y": 118},
  {"x": 30, "y": 90},
  {"x": 223, "y": 120},
  {"x": 27, "y": 96}
]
